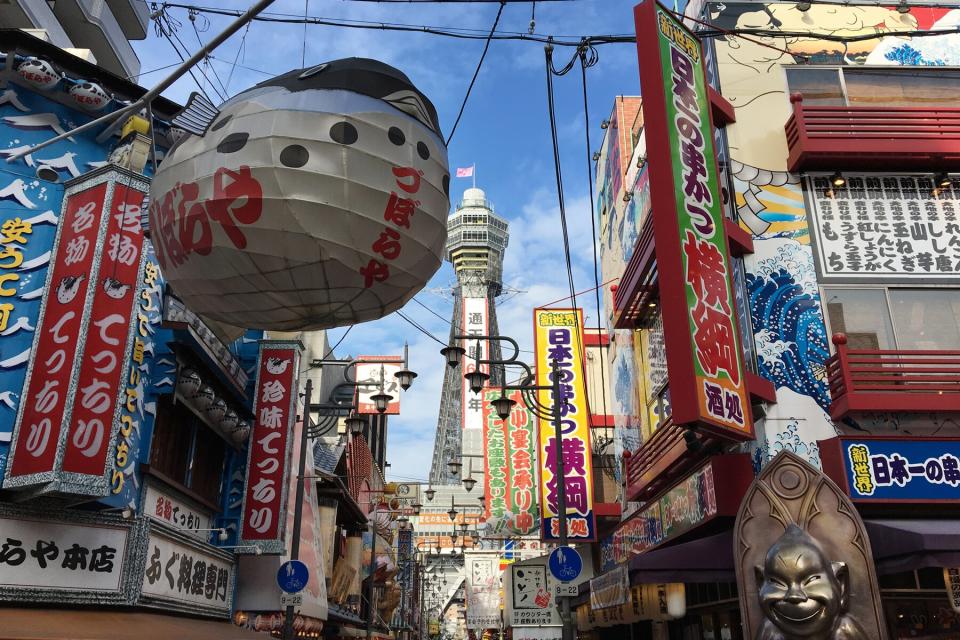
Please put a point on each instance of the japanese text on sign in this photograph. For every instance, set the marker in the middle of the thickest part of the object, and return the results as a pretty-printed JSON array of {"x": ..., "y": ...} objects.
[
  {"x": 878, "y": 227},
  {"x": 183, "y": 574},
  {"x": 510, "y": 483},
  {"x": 269, "y": 458},
  {"x": 474, "y": 324},
  {"x": 558, "y": 340},
  {"x": 14, "y": 236},
  {"x": 904, "y": 470},
  {"x": 400, "y": 208}
]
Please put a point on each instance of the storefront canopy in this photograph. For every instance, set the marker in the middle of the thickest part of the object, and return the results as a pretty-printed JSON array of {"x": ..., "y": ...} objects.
[
  {"x": 47, "y": 624},
  {"x": 903, "y": 545},
  {"x": 707, "y": 559}
]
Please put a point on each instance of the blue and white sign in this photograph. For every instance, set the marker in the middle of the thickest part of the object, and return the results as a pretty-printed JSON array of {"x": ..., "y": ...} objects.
[
  {"x": 292, "y": 576},
  {"x": 902, "y": 469},
  {"x": 565, "y": 564}
]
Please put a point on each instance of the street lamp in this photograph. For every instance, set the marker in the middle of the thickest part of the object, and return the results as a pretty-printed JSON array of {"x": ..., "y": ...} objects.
[
  {"x": 453, "y": 511},
  {"x": 356, "y": 424},
  {"x": 381, "y": 401},
  {"x": 430, "y": 492},
  {"x": 468, "y": 483},
  {"x": 416, "y": 506},
  {"x": 477, "y": 380},
  {"x": 453, "y": 354},
  {"x": 405, "y": 378},
  {"x": 503, "y": 405},
  {"x": 454, "y": 466}
]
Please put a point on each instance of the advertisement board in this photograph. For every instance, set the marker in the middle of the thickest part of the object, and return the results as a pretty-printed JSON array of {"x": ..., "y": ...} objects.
[
  {"x": 482, "y": 589},
  {"x": 510, "y": 466},
  {"x": 475, "y": 323},
  {"x": 707, "y": 377},
  {"x": 369, "y": 374},
  {"x": 558, "y": 337}
]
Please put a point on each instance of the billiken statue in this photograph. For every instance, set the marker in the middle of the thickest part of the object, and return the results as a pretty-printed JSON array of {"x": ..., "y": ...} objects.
[{"x": 803, "y": 594}]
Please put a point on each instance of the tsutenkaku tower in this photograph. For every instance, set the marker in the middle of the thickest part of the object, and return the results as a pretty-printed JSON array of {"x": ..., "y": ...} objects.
[{"x": 476, "y": 241}]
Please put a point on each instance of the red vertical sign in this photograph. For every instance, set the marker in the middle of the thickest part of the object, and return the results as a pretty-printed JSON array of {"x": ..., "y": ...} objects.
[
  {"x": 275, "y": 407},
  {"x": 106, "y": 349},
  {"x": 45, "y": 397}
]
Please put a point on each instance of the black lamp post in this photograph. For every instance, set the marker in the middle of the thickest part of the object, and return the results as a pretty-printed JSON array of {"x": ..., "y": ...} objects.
[{"x": 552, "y": 412}]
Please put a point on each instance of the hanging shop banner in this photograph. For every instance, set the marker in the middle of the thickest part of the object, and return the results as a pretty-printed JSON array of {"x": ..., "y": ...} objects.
[
  {"x": 268, "y": 463},
  {"x": 187, "y": 575},
  {"x": 368, "y": 376},
  {"x": 482, "y": 589},
  {"x": 558, "y": 337},
  {"x": 89, "y": 301},
  {"x": 532, "y": 602},
  {"x": 707, "y": 384},
  {"x": 951, "y": 580},
  {"x": 475, "y": 323},
  {"x": 891, "y": 228},
  {"x": 611, "y": 589},
  {"x": 509, "y": 478},
  {"x": 694, "y": 501},
  {"x": 894, "y": 469},
  {"x": 174, "y": 511}
]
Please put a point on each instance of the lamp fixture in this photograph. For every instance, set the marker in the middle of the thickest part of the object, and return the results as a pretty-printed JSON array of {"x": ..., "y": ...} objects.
[
  {"x": 405, "y": 378},
  {"x": 503, "y": 406},
  {"x": 453, "y": 354},
  {"x": 803, "y": 7},
  {"x": 356, "y": 424},
  {"x": 604, "y": 124},
  {"x": 430, "y": 492},
  {"x": 381, "y": 401},
  {"x": 454, "y": 466},
  {"x": 416, "y": 506},
  {"x": 453, "y": 511},
  {"x": 837, "y": 179},
  {"x": 469, "y": 483},
  {"x": 477, "y": 379},
  {"x": 596, "y": 156},
  {"x": 463, "y": 527}
]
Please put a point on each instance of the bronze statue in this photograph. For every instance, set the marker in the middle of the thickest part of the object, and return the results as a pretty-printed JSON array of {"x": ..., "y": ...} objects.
[
  {"x": 804, "y": 564},
  {"x": 803, "y": 594}
]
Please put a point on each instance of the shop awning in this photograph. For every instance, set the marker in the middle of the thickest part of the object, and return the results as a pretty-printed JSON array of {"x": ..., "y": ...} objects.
[
  {"x": 707, "y": 559},
  {"x": 59, "y": 624},
  {"x": 902, "y": 545}
]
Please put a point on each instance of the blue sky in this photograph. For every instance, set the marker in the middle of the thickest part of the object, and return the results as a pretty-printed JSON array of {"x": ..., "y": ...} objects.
[{"x": 504, "y": 131}]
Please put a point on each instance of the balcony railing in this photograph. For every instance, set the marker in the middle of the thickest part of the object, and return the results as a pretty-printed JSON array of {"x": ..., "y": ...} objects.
[
  {"x": 662, "y": 460},
  {"x": 892, "y": 380},
  {"x": 872, "y": 138}
]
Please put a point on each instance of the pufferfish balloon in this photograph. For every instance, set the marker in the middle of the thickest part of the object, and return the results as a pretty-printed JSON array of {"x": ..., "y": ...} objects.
[{"x": 313, "y": 200}]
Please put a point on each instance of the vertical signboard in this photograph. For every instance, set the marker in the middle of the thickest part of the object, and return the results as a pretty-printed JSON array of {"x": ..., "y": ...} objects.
[
  {"x": 510, "y": 463},
  {"x": 482, "y": 589},
  {"x": 268, "y": 461},
  {"x": 103, "y": 365},
  {"x": 368, "y": 376},
  {"x": 68, "y": 406},
  {"x": 707, "y": 383},
  {"x": 474, "y": 324},
  {"x": 558, "y": 338}
]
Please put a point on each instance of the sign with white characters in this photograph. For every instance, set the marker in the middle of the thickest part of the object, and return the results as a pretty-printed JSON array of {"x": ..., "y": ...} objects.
[
  {"x": 369, "y": 374},
  {"x": 187, "y": 575},
  {"x": 275, "y": 407},
  {"x": 951, "y": 580},
  {"x": 474, "y": 324},
  {"x": 43, "y": 555},
  {"x": 885, "y": 227},
  {"x": 171, "y": 510}
]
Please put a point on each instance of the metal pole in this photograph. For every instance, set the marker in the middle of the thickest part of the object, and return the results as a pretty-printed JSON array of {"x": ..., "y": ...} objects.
[
  {"x": 561, "y": 490},
  {"x": 373, "y": 571},
  {"x": 164, "y": 84},
  {"x": 298, "y": 504}
]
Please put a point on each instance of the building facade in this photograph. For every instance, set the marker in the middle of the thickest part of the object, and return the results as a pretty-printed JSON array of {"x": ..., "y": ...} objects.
[{"x": 834, "y": 176}]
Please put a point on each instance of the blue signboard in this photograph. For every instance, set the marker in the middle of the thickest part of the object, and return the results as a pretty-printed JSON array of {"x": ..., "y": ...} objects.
[
  {"x": 902, "y": 469},
  {"x": 292, "y": 576},
  {"x": 565, "y": 564}
]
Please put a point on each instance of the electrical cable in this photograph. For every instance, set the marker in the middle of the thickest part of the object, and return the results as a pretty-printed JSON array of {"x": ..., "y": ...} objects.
[
  {"x": 447, "y": 320},
  {"x": 243, "y": 42},
  {"x": 198, "y": 68},
  {"x": 206, "y": 61},
  {"x": 476, "y": 72},
  {"x": 420, "y": 328},
  {"x": 162, "y": 18}
]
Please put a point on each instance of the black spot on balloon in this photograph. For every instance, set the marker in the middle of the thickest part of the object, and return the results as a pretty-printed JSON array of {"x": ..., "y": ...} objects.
[
  {"x": 294, "y": 156},
  {"x": 423, "y": 150},
  {"x": 221, "y": 123},
  {"x": 446, "y": 184},
  {"x": 344, "y": 133},
  {"x": 233, "y": 142},
  {"x": 396, "y": 136}
]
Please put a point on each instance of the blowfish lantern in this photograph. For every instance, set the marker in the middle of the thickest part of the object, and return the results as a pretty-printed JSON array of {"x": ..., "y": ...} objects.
[{"x": 313, "y": 200}]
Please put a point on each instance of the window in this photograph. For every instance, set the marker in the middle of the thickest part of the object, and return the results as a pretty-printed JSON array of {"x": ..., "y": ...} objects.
[
  {"x": 895, "y": 317},
  {"x": 875, "y": 86},
  {"x": 820, "y": 87},
  {"x": 186, "y": 451}
]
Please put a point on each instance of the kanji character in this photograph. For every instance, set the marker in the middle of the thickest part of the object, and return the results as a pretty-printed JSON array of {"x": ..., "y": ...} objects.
[
  {"x": 407, "y": 173},
  {"x": 734, "y": 408},
  {"x": 154, "y": 571},
  {"x": 15, "y": 230},
  {"x": 898, "y": 470},
  {"x": 186, "y": 573},
  {"x": 399, "y": 210},
  {"x": 76, "y": 250},
  {"x": 714, "y": 395},
  {"x": 45, "y": 551},
  {"x": 578, "y": 493},
  {"x": 375, "y": 271},
  {"x": 272, "y": 391},
  {"x": 199, "y": 577},
  {"x": 388, "y": 244},
  {"x": 574, "y": 455},
  {"x": 951, "y": 469},
  {"x": 83, "y": 219},
  {"x": 706, "y": 272},
  {"x": 223, "y": 577},
  {"x": 271, "y": 417},
  {"x": 12, "y": 552},
  {"x": 128, "y": 217},
  {"x": 75, "y": 557},
  {"x": 714, "y": 336},
  {"x": 122, "y": 249},
  {"x": 210, "y": 586},
  {"x": 101, "y": 560}
]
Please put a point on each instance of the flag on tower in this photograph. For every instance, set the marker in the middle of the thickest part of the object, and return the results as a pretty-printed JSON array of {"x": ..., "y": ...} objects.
[{"x": 465, "y": 172}]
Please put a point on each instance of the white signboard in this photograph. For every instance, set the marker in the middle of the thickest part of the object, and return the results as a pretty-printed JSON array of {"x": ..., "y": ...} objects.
[
  {"x": 186, "y": 575},
  {"x": 890, "y": 228},
  {"x": 532, "y": 598},
  {"x": 291, "y": 599},
  {"x": 169, "y": 509},
  {"x": 408, "y": 493},
  {"x": 482, "y": 589},
  {"x": 474, "y": 324},
  {"x": 951, "y": 579},
  {"x": 368, "y": 377},
  {"x": 40, "y": 554}
]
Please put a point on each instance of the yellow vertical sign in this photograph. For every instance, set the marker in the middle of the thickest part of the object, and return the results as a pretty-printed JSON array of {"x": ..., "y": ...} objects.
[{"x": 558, "y": 335}]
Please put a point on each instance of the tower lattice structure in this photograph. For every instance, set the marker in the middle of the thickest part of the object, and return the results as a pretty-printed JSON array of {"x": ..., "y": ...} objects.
[{"x": 476, "y": 241}]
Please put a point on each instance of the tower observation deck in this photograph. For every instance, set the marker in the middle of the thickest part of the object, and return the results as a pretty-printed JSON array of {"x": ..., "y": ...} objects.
[{"x": 477, "y": 239}]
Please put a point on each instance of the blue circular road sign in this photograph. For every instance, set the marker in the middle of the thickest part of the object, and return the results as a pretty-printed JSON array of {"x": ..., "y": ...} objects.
[
  {"x": 565, "y": 564},
  {"x": 292, "y": 576}
]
